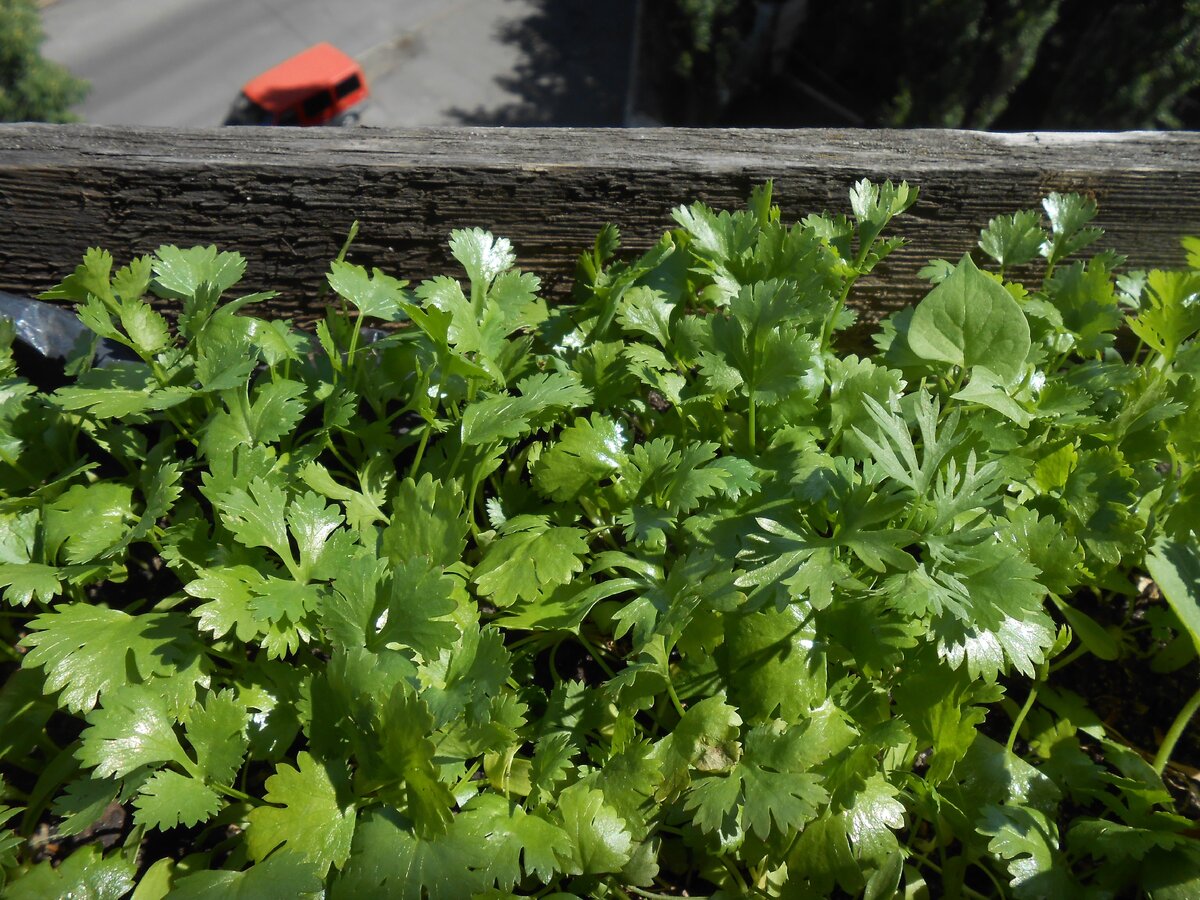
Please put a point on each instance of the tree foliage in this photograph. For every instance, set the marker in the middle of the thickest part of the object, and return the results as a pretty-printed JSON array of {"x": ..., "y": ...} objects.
[
  {"x": 1004, "y": 64},
  {"x": 32, "y": 89}
]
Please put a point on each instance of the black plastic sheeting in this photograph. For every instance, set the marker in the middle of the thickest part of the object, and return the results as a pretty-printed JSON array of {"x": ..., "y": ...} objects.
[{"x": 54, "y": 333}]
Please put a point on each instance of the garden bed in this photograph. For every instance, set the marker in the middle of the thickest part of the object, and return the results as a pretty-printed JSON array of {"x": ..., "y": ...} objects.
[{"x": 682, "y": 582}]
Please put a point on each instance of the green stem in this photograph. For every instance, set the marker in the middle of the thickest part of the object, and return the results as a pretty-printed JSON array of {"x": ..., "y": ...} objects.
[
  {"x": 1175, "y": 732},
  {"x": 827, "y": 330},
  {"x": 337, "y": 454},
  {"x": 1029, "y": 701},
  {"x": 350, "y": 236},
  {"x": 553, "y": 663},
  {"x": 737, "y": 875},
  {"x": 412, "y": 472},
  {"x": 674, "y": 698},
  {"x": 757, "y": 344},
  {"x": 750, "y": 423},
  {"x": 536, "y": 637},
  {"x": 458, "y": 457},
  {"x": 477, "y": 297},
  {"x": 650, "y": 895},
  {"x": 467, "y": 776},
  {"x": 595, "y": 654},
  {"x": 353, "y": 342},
  {"x": 237, "y": 795},
  {"x": 12, "y": 461},
  {"x": 1069, "y": 658},
  {"x": 181, "y": 428},
  {"x": 966, "y": 891},
  {"x": 471, "y": 506}
]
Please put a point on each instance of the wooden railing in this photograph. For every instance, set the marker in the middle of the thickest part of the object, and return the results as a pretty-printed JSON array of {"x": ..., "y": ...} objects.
[{"x": 285, "y": 198}]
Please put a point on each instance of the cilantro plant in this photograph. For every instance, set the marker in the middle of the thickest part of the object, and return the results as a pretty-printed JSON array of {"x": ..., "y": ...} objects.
[{"x": 669, "y": 588}]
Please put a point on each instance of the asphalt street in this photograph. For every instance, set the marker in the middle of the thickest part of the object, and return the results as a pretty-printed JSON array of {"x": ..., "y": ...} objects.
[{"x": 429, "y": 62}]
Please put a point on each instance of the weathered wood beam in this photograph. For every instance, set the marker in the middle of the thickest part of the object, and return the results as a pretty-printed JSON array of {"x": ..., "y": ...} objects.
[{"x": 285, "y": 198}]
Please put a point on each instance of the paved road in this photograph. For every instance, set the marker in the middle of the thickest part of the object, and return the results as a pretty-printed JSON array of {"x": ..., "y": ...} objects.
[{"x": 429, "y": 62}]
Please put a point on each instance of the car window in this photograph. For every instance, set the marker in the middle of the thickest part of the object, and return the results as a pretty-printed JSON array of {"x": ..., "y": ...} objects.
[
  {"x": 317, "y": 104},
  {"x": 347, "y": 86},
  {"x": 246, "y": 112}
]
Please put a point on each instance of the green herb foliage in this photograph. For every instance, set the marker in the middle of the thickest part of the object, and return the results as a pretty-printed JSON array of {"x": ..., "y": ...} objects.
[{"x": 657, "y": 590}]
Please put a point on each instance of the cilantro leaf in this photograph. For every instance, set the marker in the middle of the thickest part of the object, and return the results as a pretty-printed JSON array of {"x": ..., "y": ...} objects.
[
  {"x": 770, "y": 661},
  {"x": 169, "y": 799},
  {"x": 363, "y": 507},
  {"x": 409, "y": 754},
  {"x": 1172, "y": 315},
  {"x": 599, "y": 839},
  {"x": 316, "y": 530},
  {"x": 216, "y": 731},
  {"x": 25, "y": 581},
  {"x": 92, "y": 277},
  {"x": 482, "y": 255},
  {"x": 285, "y": 876},
  {"x": 706, "y": 738},
  {"x": 87, "y": 520},
  {"x": 119, "y": 391},
  {"x": 1084, "y": 296},
  {"x": 275, "y": 411},
  {"x": 86, "y": 873},
  {"x": 528, "y": 559},
  {"x": 505, "y": 416},
  {"x": 310, "y": 815},
  {"x": 256, "y": 516},
  {"x": 147, "y": 329},
  {"x": 767, "y": 788},
  {"x": 405, "y": 603},
  {"x": 1028, "y": 842},
  {"x": 229, "y": 591},
  {"x": 427, "y": 520},
  {"x": 873, "y": 819},
  {"x": 89, "y": 651},
  {"x": 585, "y": 454},
  {"x": 1069, "y": 215},
  {"x": 180, "y": 273},
  {"x": 517, "y": 841},
  {"x": 376, "y": 295},
  {"x": 648, "y": 311},
  {"x": 389, "y": 858},
  {"x": 464, "y": 679},
  {"x": 1013, "y": 240},
  {"x": 1175, "y": 567},
  {"x": 133, "y": 728}
]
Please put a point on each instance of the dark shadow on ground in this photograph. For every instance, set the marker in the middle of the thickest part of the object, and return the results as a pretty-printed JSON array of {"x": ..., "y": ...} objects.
[{"x": 574, "y": 69}]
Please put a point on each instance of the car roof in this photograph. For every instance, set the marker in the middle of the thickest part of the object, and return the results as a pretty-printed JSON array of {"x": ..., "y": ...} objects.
[{"x": 320, "y": 66}]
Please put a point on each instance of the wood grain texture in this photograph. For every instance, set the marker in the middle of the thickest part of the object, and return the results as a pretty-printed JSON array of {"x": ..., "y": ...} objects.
[{"x": 285, "y": 198}]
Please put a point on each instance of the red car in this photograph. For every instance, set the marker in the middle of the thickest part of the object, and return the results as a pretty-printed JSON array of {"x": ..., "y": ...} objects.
[{"x": 320, "y": 86}]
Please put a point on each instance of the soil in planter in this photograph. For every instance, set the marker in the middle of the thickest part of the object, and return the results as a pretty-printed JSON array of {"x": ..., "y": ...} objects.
[{"x": 1136, "y": 703}]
